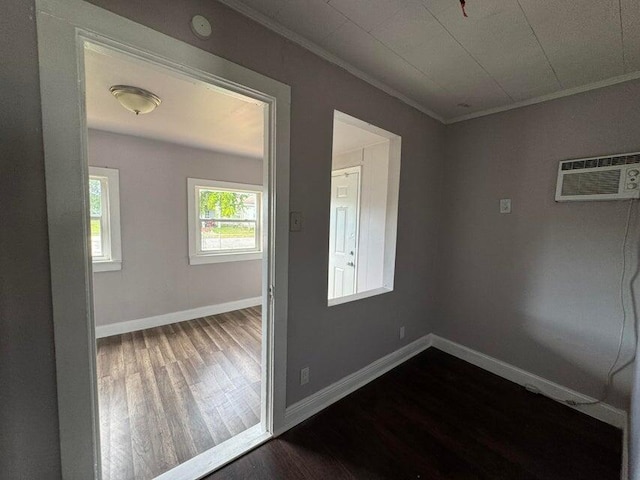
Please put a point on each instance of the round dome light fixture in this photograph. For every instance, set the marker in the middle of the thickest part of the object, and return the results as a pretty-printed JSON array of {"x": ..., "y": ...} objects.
[{"x": 134, "y": 99}]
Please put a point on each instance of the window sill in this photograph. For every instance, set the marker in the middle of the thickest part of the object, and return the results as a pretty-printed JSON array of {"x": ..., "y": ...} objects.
[
  {"x": 108, "y": 266},
  {"x": 224, "y": 258},
  {"x": 358, "y": 296}
]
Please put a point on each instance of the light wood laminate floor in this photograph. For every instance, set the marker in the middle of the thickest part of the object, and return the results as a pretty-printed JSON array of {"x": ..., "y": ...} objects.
[{"x": 167, "y": 394}]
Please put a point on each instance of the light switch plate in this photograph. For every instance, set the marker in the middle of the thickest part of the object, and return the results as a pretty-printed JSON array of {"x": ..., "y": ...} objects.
[
  {"x": 505, "y": 205},
  {"x": 295, "y": 221}
]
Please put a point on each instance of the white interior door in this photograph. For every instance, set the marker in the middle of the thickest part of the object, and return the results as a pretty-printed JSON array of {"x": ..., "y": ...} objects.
[{"x": 344, "y": 228}]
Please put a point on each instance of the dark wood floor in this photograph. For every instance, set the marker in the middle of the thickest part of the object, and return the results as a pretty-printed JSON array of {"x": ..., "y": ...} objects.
[
  {"x": 437, "y": 417},
  {"x": 169, "y": 393}
]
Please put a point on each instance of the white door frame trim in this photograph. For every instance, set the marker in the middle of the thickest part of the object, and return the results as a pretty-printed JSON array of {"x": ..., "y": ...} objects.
[{"x": 64, "y": 27}]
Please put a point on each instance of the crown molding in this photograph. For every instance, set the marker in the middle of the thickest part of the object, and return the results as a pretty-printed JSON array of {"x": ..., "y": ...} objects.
[
  {"x": 276, "y": 27},
  {"x": 545, "y": 98},
  {"x": 326, "y": 55}
]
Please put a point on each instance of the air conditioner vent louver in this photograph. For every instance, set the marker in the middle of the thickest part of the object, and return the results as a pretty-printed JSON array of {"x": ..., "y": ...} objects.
[
  {"x": 592, "y": 183},
  {"x": 614, "y": 177},
  {"x": 601, "y": 162}
]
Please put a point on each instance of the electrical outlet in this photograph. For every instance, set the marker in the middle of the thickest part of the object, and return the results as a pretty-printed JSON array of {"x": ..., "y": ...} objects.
[
  {"x": 401, "y": 333},
  {"x": 304, "y": 376}
]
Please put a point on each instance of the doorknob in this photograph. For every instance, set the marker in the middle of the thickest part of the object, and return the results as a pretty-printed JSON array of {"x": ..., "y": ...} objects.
[{"x": 351, "y": 264}]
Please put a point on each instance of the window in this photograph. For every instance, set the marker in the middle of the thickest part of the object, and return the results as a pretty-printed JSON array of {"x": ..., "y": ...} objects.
[
  {"x": 365, "y": 180},
  {"x": 104, "y": 206},
  {"x": 224, "y": 221}
]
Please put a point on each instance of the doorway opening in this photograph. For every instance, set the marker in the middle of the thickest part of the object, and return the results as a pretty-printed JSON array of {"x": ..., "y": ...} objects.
[
  {"x": 365, "y": 176},
  {"x": 176, "y": 235},
  {"x": 147, "y": 339}
]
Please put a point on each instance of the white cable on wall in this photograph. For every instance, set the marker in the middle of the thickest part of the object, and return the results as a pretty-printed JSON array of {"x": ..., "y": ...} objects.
[{"x": 613, "y": 371}]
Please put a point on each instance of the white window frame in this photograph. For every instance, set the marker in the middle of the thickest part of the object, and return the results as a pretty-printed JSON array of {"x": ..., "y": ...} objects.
[
  {"x": 196, "y": 255},
  {"x": 111, "y": 258}
]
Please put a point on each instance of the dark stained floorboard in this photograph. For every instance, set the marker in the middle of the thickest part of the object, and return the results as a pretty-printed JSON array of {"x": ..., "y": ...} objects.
[{"x": 437, "y": 417}]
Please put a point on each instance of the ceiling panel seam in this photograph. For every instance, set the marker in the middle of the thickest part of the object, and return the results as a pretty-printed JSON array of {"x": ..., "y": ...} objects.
[
  {"x": 331, "y": 32},
  {"x": 313, "y": 47},
  {"x": 402, "y": 59},
  {"x": 624, "y": 56},
  {"x": 544, "y": 52},
  {"x": 545, "y": 98},
  {"x": 388, "y": 47},
  {"x": 408, "y": 62},
  {"x": 470, "y": 55},
  {"x": 299, "y": 40},
  {"x": 395, "y": 12}
]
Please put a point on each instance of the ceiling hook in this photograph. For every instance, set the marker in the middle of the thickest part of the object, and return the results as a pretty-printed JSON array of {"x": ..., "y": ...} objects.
[{"x": 462, "y": 5}]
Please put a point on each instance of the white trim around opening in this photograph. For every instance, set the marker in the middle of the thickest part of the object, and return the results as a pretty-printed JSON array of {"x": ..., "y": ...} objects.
[
  {"x": 392, "y": 189},
  {"x": 65, "y": 28}
]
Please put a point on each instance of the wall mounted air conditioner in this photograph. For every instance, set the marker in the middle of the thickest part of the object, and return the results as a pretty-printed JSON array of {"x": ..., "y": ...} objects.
[{"x": 615, "y": 177}]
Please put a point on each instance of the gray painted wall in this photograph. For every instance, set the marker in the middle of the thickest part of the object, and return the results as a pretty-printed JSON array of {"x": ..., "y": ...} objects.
[
  {"x": 29, "y": 446},
  {"x": 339, "y": 340},
  {"x": 156, "y": 277},
  {"x": 538, "y": 288},
  {"x": 335, "y": 341},
  {"x": 537, "y": 279}
]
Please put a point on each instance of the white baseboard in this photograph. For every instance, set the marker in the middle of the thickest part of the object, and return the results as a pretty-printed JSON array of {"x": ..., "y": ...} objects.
[
  {"x": 300, "y": 411},
  {"x": 602, "y": 411},
  {"x": 174, "y": 317},
  {"x": 314, "y": 403}
]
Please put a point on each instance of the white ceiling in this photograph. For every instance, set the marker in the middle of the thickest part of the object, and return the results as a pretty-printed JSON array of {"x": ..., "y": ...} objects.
[
  {"x": 505, "y": 54},
  {"x": 348, "y": 137},
  {"x": 191, "y": 113}
]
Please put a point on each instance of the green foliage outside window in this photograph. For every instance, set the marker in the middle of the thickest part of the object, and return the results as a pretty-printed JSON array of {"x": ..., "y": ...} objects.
[
  {"x": 95, "y": 197},
  {"x": 224, "y": 204}
]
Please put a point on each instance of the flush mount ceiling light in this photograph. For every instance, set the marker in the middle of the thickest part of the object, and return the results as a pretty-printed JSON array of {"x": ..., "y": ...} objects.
[{"x": 134, "y": 99}]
